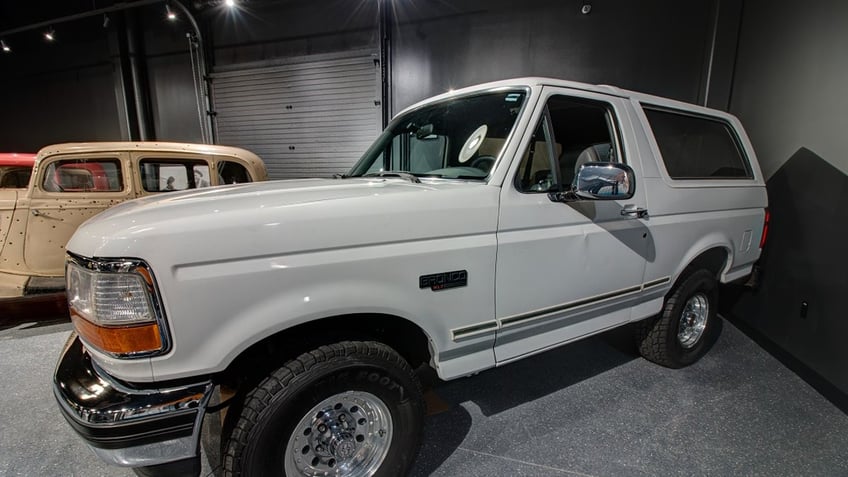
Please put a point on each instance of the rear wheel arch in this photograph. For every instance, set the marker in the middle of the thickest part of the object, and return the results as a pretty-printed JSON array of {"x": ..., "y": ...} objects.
[{"x": 714, "y": 259}]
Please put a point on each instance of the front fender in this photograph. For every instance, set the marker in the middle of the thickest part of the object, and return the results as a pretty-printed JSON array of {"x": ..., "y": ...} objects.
[{"x": 234, "y": 305}]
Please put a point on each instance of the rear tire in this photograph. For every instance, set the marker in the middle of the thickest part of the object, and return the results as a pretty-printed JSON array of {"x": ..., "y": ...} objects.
[
  {"x": 686, "y": 327},
  {"x": 353, "y": 407}
]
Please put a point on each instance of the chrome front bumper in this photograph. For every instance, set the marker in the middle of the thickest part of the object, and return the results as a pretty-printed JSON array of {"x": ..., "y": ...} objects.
[{"x": 127, "y": 425}]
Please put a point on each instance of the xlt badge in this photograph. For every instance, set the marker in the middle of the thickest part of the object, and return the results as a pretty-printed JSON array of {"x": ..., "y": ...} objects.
[{"x": 443, "y": 281}]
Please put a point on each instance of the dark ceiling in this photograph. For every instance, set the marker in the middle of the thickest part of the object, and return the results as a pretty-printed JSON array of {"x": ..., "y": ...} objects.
[{"x": 15, "y": 14}]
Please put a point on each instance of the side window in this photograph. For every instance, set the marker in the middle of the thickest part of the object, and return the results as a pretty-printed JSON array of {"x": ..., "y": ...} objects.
[
  {"x": 166, "y": 175},
  {"x": 14, "y": 177},
  {"x": 572, "y": 132},
  {"x": 83, "y": 175},
  {"x": 696, "y": 147},
  {"x": 232, "y": 173},
  {"x": 201, "y": 175}
]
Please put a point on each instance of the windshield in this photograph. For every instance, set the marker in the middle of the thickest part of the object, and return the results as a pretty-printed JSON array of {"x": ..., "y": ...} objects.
[{"x": 459, "y": 138}]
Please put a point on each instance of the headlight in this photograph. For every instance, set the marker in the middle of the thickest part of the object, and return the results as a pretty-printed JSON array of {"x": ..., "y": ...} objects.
[{"x": 114, "y": 306}]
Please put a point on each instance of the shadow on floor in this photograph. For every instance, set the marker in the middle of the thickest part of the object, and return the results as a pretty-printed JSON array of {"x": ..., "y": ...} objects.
[{"x": 495, "y": 391}]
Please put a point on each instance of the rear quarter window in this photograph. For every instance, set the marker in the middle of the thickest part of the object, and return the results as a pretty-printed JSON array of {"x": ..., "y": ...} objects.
[
  {"x": 697, "y": 147},
  {"x": 173, "y": 174}
]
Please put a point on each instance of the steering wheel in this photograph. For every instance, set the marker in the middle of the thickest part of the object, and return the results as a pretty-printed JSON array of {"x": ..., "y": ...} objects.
[{"x": 484, "y": 163}]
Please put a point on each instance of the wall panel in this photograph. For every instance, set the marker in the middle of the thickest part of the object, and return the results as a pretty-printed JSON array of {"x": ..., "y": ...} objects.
[
  {"x": 311, "y": 118},
  {"x": 789, "y": 92}
]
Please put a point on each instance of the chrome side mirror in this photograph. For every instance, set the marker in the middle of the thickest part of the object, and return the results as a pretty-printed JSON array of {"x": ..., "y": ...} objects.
[{"x": 605, "y": 181}]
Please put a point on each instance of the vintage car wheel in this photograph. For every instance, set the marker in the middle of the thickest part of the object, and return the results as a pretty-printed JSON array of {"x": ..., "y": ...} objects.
[
  {"x": 687, "y": 325},
  {"x": 350, "y": 409}
]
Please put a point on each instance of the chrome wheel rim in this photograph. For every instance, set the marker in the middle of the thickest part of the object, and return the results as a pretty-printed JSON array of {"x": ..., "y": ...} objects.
[
  {"x": 345, "y": 435},
  {"x": 693, "y": 320}
]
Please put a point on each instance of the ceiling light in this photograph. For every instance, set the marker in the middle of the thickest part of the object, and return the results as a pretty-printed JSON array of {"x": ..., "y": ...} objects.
[
  {"x": 230, "y": 3},
  {"x": 170, "y": 13},
  {"x": 49, "y": 35},
  {"x": 6, "y": 48}
]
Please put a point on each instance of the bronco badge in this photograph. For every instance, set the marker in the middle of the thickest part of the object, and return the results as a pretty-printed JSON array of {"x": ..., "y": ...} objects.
[{"x": 443, "y": 281}]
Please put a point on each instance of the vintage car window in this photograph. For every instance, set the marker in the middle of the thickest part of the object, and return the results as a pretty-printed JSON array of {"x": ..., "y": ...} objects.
[
  {"x": 232, "y": 173},
  {"x": 697, "y": 147},
  {"x": 201, "y": 175},
  {"x": 14, "y": 177},
  {"x": 83, "y": 175},
  {"x": 166, "y": 175},
  {"x": 459, "y": 138},
  {"x": 572, "y": 132}
]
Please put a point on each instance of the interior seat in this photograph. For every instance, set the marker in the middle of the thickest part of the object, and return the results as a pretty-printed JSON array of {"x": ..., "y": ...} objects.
[{"x": 595, "y": 153}]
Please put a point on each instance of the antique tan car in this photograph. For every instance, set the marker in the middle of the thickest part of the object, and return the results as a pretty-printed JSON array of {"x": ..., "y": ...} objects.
[{"x": 72, "y": 182}]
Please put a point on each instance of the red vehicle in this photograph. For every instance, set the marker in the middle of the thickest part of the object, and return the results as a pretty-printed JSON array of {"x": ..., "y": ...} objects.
[{"x": 15, "y": 170}]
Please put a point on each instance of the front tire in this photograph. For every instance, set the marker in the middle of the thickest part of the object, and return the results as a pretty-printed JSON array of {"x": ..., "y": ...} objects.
[
  {"x": 350, "y": 409},
  {"x": 687, "y": 325}
]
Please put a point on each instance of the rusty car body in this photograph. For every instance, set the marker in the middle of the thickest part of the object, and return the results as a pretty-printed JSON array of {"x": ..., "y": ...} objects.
[{"x": 72, "y": 182}]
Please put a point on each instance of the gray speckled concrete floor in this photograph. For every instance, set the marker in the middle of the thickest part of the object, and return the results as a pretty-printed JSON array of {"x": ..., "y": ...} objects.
[{"x": 587, "y": 409}]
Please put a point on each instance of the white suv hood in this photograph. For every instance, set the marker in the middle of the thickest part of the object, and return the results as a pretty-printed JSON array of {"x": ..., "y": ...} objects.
[{"x": 263, "y": 219}]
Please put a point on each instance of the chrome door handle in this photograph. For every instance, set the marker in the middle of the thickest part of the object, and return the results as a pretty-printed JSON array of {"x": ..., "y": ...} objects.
[{"x": 633, "y": 211}]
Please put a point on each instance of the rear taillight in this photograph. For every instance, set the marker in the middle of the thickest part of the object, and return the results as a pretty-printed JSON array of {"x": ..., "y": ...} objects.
[{"x": 765, "y": 229}]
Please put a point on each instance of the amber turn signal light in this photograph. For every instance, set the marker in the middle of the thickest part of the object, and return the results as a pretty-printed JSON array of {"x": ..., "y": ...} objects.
[{"x": 120, "y": 340}]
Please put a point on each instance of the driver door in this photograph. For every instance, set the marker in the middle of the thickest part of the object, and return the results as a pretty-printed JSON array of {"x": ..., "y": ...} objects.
[
  {"x": 565, "y": 270},
  {"x": 8, "y": 201}
]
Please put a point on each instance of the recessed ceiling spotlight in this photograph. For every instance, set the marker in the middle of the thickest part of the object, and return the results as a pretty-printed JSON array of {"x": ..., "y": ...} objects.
[
  {"x": 230, "y": 3},
  {"x": 50, "y": 35},
  {"x": 6, "y": 48},
  {"x": 169, "y": 14}
]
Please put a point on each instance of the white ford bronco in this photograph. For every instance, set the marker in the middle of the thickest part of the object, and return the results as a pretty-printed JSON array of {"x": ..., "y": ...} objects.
[{"x": 483, "y": 226}]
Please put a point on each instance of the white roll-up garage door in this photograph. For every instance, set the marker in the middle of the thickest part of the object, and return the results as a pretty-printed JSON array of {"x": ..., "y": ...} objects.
[{"x": 311, "y": 118}]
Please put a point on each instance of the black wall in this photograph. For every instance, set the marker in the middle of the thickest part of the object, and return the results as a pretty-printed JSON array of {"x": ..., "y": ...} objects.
[
  {"x": 169, "y": 77},
  {"x": 655, "y": 46},
  {"x": 57, "y": 93},
  {"x": 789, "y": 91},
  {"x": 672, "y": 48},
  {"x": 265, "y": 31}
]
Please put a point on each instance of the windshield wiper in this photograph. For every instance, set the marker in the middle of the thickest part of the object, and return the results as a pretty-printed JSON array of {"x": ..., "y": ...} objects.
[
  {"x": 462, "y": 177},
  {"x": 402, "y": 175},
  {"x": 340, "y": 176}
]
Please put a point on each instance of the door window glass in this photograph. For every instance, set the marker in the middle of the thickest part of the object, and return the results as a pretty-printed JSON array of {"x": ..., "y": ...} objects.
[
  {"x": 572, "y": 132},
  {"x": 201, "y": 175},
  {"x": 83, "y": 175}
]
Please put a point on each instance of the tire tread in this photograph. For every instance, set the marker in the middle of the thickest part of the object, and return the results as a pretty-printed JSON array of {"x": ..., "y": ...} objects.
[
  {"x": 653, "y": 333},
  {"x": 277, "y": 385}
]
